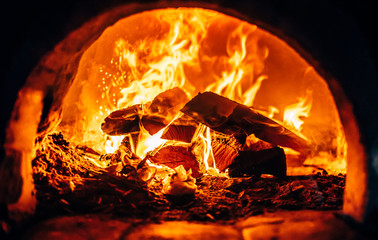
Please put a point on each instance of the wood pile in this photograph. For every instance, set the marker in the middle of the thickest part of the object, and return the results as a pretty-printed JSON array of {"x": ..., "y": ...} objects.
[{"x": 232, "y": 127}]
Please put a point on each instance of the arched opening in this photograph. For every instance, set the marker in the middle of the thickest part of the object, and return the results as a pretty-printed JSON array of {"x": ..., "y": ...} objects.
[{"x": 269, "y": 56}]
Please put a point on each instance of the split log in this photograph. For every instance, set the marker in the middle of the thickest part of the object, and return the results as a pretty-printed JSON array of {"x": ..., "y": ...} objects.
[
  {"x": 225, "y": 150},
  {"x": 163, "y": 109},
  {"x": 229, "y": 117},
  {"x": 153, "y": 123},
  {"x": 182, "y": 129},
  {"x": 174, "y": 156},
  {"x": 269, "y": 161},
  {"x": 123, "y": 121}
]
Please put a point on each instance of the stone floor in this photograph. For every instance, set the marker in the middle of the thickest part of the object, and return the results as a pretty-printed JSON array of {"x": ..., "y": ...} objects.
[{"x": 279, "y": 225}]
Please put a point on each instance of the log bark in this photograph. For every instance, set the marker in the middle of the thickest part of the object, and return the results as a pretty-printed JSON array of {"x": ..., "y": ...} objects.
[
  {"x": 269, "y": 161},
  {"x": 224, "y": 115}
]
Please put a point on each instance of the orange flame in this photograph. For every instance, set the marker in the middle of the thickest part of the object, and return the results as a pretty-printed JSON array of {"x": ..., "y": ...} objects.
[
  {"x": 149, "y": 66},
  {"x": 294, "y": 114},
  {"x": 169, "y": 48}
]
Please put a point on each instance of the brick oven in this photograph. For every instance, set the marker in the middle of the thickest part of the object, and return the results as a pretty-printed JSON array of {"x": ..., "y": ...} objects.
[{"x": 258, "y": 97}]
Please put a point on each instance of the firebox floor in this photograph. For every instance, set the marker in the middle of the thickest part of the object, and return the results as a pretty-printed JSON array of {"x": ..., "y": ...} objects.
[{"x": 305, "y": 224}]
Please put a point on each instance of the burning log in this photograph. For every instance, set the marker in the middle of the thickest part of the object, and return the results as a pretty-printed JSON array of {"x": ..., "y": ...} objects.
[
  {"x": 268, "y": 161},
  {"x": 174, "y": 156},
  {"x": 163, "y": 109},
  {"x": 182, "y": 129},
  {"x": 224, "y": 115},
  {"x": 254, "y": 144},
  {"x": 225, "y": 150},
  {"x": 160, "y": 113},
  {"x": 123, "y": 121}
]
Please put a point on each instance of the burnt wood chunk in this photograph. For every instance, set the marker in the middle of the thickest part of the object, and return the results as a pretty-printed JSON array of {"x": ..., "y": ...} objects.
[
  {"x": 163, "y": 109},
  {"x": 224, "y": 115},
  {"x": 123, "y": 121},
  {"x": 174, "y": 156},
  {"x": 269, "y": 161}
]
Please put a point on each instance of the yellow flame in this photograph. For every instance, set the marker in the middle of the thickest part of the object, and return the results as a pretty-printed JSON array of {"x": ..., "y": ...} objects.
[
  {"x": 112, "y": 143},
  {"x": 236, "y": 81},
  {"x": 294, "y": 114},
  {"x": 149, "y": 143}
]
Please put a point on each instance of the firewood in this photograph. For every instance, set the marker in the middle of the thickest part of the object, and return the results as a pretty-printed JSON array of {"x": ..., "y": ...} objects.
[
  {"x": 225, "y": 150},
  {"x": 254, "y": 144},
  {"x": 163, "y": 109},
  {"x": 123, "y": 121},
  {"x": 229, "y": 117},
  {"x": 182, "y": 129},
  {"x": 174, "y": 156},
  {"x": 153, "y": 123},
  {"x": 269, "y": 161}
]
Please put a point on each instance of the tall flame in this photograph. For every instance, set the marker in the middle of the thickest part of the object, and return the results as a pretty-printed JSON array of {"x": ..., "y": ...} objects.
[{"x": 151, "y": 65}]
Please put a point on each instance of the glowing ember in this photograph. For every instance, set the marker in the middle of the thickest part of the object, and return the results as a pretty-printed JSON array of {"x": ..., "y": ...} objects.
[{"x": 179, "y": 183}]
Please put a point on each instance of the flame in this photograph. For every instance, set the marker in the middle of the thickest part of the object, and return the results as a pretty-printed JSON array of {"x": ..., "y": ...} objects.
[
  {"x": 240, "y": 68},
  {"x": 180, "y": 51},
  {"x": 149, "y": 143},
  {"x": 112, "y": 143},
  {"x": 149, "y": 66},
  {"x": 203, "y": 134},
  {"x": 294, "y": 114}
]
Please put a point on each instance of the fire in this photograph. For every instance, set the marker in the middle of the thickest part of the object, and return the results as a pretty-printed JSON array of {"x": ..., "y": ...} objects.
[
  {"x": 149, "y": 143},
  {"x": 151, "y": 65},
  {"x": 195, "y": 50},
  {"x": 295, "y": 113},
  {"x": 112, "y": 143}
]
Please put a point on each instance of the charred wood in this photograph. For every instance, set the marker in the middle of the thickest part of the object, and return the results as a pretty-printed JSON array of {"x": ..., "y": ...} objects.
[
  {"x": 153, "y": 123},
  {"x": 123, "y": 121},
  {"x": 269, "y": 161},
  {"x": 229, "y": 117},
  {"x": 163, "y": 109},
  {"x": 168, "y": 103}
]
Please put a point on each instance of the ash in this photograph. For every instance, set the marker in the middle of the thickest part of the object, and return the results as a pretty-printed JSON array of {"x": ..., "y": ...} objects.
[{"x": 78, "y": 187}]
